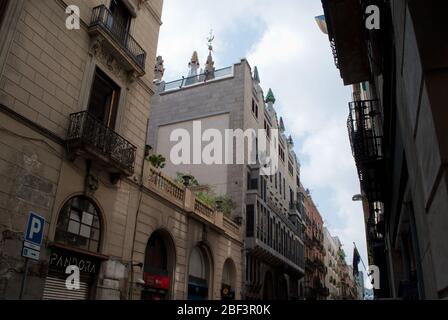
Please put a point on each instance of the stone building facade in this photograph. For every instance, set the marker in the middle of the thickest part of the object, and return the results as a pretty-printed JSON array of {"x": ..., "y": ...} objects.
[
  {"x": 332, "y": 279},
  {"x": 74, "y": 109},
  {"x": 397, "y": 126},
  {"x": 267, "y": 207},
  {"x": 315, "y": 269}
]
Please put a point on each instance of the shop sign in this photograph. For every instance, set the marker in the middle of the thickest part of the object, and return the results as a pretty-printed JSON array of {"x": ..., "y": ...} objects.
[
  {"x": 156, "y": 281},
  {"x": 62, "y": 259}
]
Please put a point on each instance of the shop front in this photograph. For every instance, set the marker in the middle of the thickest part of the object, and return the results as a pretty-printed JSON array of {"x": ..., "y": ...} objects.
[
  {"x": 158, "y": 266},
  {"x": 76, "y": 245},
  {"x": 228, "y": 280},
  {"x": 61, "y": 258},
  {"x": 156, "y": 286},
  {"x": 199, "y": 272}
]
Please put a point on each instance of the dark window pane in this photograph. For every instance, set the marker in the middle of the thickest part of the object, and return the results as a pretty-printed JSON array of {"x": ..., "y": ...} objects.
[{"x": 76, "y": 227}]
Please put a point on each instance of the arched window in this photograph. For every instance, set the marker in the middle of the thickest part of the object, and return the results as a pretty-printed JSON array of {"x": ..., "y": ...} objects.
[
  {"x": 79, "y": 224},
  {"x": 156, "y": 254},
  {"x": 198, "y": 275},
  {"x": 229, "y": 273},
  {"x": 226, "y": 275},
  {"x": 228, "y": 280},
  {"x": 197, "y": 264}
]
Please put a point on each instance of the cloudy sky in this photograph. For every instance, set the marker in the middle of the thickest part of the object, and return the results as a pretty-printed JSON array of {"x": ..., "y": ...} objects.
[{"x": 294, "y": 58}]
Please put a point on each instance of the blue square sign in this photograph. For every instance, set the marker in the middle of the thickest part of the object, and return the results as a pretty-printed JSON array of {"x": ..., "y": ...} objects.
[{"x": 35, "y": 229}]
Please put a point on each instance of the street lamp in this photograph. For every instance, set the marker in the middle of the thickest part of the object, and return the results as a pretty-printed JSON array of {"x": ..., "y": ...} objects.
[
  {"x": 357, "y": 197},
  {"x": 186, "y": 180}
]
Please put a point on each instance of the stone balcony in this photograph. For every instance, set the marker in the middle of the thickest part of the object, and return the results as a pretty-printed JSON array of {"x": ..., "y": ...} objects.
[{"x": 185, "y": 199}]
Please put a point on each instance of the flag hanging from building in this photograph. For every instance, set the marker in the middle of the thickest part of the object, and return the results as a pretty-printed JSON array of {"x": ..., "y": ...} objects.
[
  {"x": 322, "y": 23},
  {"x": 356, "y": 260}
]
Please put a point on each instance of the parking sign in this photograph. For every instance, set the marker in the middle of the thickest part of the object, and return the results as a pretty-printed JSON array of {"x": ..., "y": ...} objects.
[{"x": 34, "y": 229}]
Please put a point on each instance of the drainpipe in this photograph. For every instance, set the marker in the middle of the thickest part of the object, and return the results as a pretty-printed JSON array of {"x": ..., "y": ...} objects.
[{"x": 131, "y": 284}]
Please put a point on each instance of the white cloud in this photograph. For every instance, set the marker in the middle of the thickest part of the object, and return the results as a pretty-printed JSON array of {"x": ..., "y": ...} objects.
[{"x": 294, "y": 58}]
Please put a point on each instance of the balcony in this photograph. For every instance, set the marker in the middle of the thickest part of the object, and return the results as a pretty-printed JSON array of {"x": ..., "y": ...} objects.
[
  {"x": 324, "y": 291},
  {"x": 91, "y": 139},
  {"x": 319, "y": 264},
  {"x": 118, "y": 40},
  {"x": 296, "y": 207},
  {"x": 185, "y": 199},
  {"x": 346, "y": 32},
  {"x": 364, "y": 127},
  {"x": 264, "y": 243},
  {"x": 309, "y": 264},
  {"x": 307, "y": 240}
]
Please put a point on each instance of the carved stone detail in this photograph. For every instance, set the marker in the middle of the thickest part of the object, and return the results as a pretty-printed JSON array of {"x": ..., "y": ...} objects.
[{"x": 98, "y": 50}]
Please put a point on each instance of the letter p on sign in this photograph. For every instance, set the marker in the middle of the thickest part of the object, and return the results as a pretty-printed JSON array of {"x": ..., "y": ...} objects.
[{"x": 35, "y": 229}]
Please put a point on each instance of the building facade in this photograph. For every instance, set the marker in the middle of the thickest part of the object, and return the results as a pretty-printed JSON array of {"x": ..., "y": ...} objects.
[
  {"x": 265, "y": 206},
  {"x": 75, "y": 105},
  {"x": 332, "y": 280},
  {"x": 315, "y": 274},
  {"x": 397, "y": 126},
  {"x": 360, "y": 285}
]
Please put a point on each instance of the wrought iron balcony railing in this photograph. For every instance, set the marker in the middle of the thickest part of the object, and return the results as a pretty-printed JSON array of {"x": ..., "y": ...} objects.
[
  {"x": 103, "y": 18},
  {"x": 365, "y": 132},
  {"x": 269, "y": 241},
  {"x": 201, "y": 78},
  {"x": 88, "y": 135},
  {"x": 319, "y": 264}
]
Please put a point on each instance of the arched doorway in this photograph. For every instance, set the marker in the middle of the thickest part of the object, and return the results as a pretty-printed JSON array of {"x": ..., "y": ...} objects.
[
  {"x": 159, "y": 266},
  {"x": 198, "y": 274},
  {"x": 76, "y": 243},
  {"x": 268, "y": 287},
  {"x": 282, "y": 288},
  {"x": 228, "y": 280}
]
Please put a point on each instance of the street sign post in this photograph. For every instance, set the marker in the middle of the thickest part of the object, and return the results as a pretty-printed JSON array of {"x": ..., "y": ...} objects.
[
  {"x": 33, "y": 236},
  {"x": 34, "y": 229}
]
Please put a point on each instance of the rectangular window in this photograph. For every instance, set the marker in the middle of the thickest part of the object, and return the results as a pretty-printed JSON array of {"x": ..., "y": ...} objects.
[
  {"x": 291, "y": 169},
  {"x": 284, "y": 189},
  {"x": 267, "y": 128},
  {"x": 281, "y": 154},
  {"x": 280, "y": 181},
  {"x": 3, "y": 5},
  {"x": 250, "y": 212},
  {"x": 121, "y": 15},
  {"x": 104, "y": 98},
  {"x": 254, "y": 108}
]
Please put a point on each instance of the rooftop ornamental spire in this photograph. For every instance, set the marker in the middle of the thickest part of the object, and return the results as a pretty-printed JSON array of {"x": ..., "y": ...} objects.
[
  {"x": 159, "y": 69},
  {"x": 193, "y": 72},
  {"x": 256, "y": 76},
  {"x": 290, "y": 142},
  {"x": 282, "y": 125},
  {"x": 209, "y": 65},
  {"x": 270, "y": 97}
]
